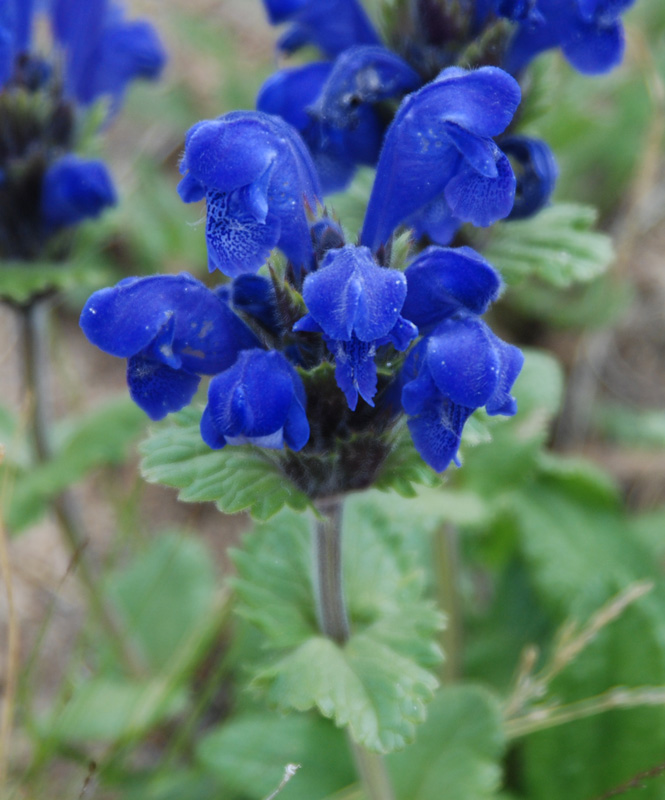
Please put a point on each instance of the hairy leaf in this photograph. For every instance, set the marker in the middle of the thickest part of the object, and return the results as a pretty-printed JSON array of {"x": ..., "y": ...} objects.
[
  {"x": 379, "y": 682},
  {"x": 557, "y": 245},
  {"x": 235, "y": 478}
]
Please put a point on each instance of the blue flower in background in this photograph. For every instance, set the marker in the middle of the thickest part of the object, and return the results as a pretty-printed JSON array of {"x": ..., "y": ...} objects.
[
  {"x": 439, "y": 164},
  {"x": 258, "y": 179},
  {"x": 75, "y": 189},
  {"x": 589, "y": 33},
  {"x": 536, "y": 173},
  {"x": 172, "y": 329},
  {"x": 356, "y": 305},
  {"x": 95, "y": 53},
  {"x": 331, "y": 25},
  {"x": 103, "y": 52},
  {"x": 260, "y": 400}
]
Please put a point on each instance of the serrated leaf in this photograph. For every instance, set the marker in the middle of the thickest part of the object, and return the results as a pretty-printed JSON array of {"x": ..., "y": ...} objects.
[
  {"x": 557, "y": 245},
  {"x": 102, "y": 437},
  {"x": 393, "y": 644},
  {"x": 457, "y": 750},
  {"x": 248, "y": 755},
  {"x": 159, "y": 619},
  {"x": 366, "y": 685},
  {"x": 235, "y": 478}
]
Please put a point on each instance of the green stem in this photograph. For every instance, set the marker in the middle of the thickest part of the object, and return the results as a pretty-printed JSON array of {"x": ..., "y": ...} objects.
[
  {"x": 334, "y": 623},
  {"x": 331, "y": 607},
  {"x": 36, "y": 361}
]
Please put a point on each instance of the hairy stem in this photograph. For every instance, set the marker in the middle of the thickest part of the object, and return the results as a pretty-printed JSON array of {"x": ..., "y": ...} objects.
[
  {"x": 331, "y": 606},
  {"x": 34, "y": 338},
  {"x": 334, "y": 623}
]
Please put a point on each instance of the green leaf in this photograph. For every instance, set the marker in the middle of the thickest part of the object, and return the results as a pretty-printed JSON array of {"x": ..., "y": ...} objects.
[
  {"x": 558, "y": 246},
  {"x": 105, "y": 709},
  {"x": 366, "y": 685},
  {"x": 644, "y": 429},
  {"x": 249, "y": 753},
  {"x": 21, "y": 281},
  {"x": 235, "y": 478},
  {"x": 457, "y": 751},
  {"x": 102, "y": 437},
  {"x": 379, "y": 682},
  {"x": 158, "y": 618},
  {"x": 580, "y": 550}
]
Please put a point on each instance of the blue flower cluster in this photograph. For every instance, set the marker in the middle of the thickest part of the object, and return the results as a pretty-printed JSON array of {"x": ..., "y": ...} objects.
[
  {"x": 320, "y": 353},
  {"x": 96, "y": 52},
  {"x": 342, "y": 105},
  {"x": 395, "y": 338}
]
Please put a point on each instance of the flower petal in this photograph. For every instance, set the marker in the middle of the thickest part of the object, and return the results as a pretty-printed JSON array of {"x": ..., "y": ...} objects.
[
  {"x": 474, "y": 198},
  {"x": 159, "y": 389},
  {"x": 441, "y": 281}
]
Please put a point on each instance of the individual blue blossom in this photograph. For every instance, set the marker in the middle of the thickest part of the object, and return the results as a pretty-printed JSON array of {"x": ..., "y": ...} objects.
[
  {"x": 459, "y": 367},
  {"x": 514, "y": 10},
  {"x": 443, "y": 281},
  {"x": 259, "y": 400},
  {"x": 356, "y": 305},
  {"x": 172, "y": 329},
  {"x": 332, "y": 107},
  {"x": 439, "y": 158},
  {"x": 331, "y": 25},
  {"x": 258, "y": 181},
  {"x": 589, "y": 33},
  {"x": 75, "y": 189},
  {"x": 536, "y": 173},
  {"x": 103, "y": 52}
]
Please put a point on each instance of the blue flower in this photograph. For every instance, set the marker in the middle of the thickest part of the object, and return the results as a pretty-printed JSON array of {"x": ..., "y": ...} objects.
[
  {"x": 536, "y": 173},
  {"x": 75, "y": 189},
  {"x": 439, "y": 160},
  {"x": 103, "y": 52},
  {"x": 589, "y": 33},
  {"x": 332, "y": 107},
  {"x": 258, "y": 179},
  {"x": 331, "y": 25},
  {"x": 356, "y": 304},
  {"x": 259, "y": 400},
  {"x": 443, "y": 281},
  {"x": 459, "y": 367},
  {"x": 172, "y": 329}
]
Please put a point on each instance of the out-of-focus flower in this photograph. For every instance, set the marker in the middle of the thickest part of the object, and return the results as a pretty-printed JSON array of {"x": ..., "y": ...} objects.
[
  {"x": 75, "y": 189},
  {"x": 331, "y": 25},
  {"x": 589, "y": 33}
]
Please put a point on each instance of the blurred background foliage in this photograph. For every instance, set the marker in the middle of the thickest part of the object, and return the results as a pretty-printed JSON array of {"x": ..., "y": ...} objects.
[{"x": 561, "y": 512}]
